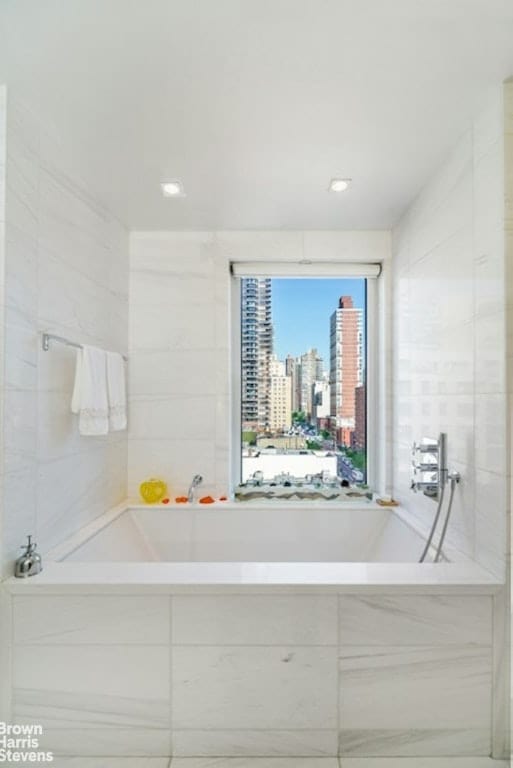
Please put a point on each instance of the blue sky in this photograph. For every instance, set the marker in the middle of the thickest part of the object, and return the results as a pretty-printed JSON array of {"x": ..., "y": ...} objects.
[{"x": 302, "y": 308}]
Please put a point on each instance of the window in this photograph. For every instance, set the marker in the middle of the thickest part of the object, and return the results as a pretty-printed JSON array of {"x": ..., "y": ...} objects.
[{"x": 303, "y": 367}]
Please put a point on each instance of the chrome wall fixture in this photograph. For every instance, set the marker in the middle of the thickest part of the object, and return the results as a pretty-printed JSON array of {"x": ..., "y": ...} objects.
[
  {"x": 29, "y": 563},
  {"x": 430, "y": 476},
  {"x": 429, "y": 466},
  {"x": 196, "y": 480}
]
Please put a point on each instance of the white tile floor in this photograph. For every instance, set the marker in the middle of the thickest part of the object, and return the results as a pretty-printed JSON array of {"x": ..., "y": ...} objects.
[{"x": 278, "y": 762}]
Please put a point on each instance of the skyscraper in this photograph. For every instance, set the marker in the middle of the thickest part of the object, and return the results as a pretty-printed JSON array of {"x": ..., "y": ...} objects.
[
  {"x": 292, "y": 369},
  {"x": 256, "y": 348},
  {"x": 321, "y": 400},
  {"x": 310, "y": 371},
  {"x": 360, "y": 418},
  {"x": 279, "y": 397},
  {"x": 346, "y": 360}
]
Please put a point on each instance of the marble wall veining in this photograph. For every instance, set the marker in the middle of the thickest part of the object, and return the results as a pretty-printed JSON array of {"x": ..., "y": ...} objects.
[
  {"x": 202, "y": 680},
  {"x": 180, "y": 342},
  {"x": 449, "y": 337},
  {"x": 65, "y": 271}
]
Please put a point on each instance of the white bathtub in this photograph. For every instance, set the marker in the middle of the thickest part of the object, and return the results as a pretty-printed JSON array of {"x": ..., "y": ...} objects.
[
  {"x": 251, "y": 630},
  {"x": 348, "y": 547},
  {"x": 252, "y": 533}
]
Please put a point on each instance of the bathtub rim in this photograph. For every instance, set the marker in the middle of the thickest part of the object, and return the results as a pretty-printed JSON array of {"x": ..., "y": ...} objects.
[
  {"x": 61, "y": 551},
  {"x": 460, "y": 576},
  {"x": 257, "y": 578}
]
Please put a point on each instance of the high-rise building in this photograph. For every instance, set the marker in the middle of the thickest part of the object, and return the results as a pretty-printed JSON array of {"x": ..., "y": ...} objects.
[
  {"x": 346, "y": 360},
  {"x": 360, "y": 418},
  {"x": 280, "y": 411},
  {"x": 292, "y": 369},
  {"x": 321, "y": 400},
  {"x": 310, "y": 371},
  {"x": 256, "y": 347}
]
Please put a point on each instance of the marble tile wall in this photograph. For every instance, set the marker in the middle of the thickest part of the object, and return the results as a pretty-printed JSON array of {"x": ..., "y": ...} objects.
[
  {"x": 3, "y": 121},
  {"x": 66, "y": 271},
  {"x": 260, "y": 675},
  {"x": 504, "y": 669},
  {"x": 5, "y": 692},
  {"x": 95, "y": 672},
  {"x": 180, "y": 337},
  {"x": 178, "y": 355},
  {"x": 449, "y": 336},
  {"x": 428, "y": 661}
]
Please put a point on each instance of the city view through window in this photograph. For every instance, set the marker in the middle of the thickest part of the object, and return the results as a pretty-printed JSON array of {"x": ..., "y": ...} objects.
[{"x": 303, "y": 375}]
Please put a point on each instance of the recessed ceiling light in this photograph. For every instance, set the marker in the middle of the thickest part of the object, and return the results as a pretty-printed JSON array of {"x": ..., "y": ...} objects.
[
  {"x": 172, "y": 188},
  {"x": 339, "y": 185}
]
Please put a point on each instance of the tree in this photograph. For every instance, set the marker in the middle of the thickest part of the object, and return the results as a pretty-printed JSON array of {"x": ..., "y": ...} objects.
[
  {"x": 358, "y": 458},
  {"x": 298, "y": 417},
  {"x": 249, "y": 437}
]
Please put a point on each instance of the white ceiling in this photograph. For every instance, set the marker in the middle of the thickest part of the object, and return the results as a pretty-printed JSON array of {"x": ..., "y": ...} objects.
[{"x": 256, "y": 104}]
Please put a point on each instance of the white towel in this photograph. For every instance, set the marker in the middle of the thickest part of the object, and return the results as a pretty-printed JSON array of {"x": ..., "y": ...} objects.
[
  {"x": 116, "y": 389},
  {"x": 90, "y": 392}
]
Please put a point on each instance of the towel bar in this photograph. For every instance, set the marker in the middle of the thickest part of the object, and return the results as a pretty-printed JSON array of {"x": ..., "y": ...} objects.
[{"x": 48, "y": 337}]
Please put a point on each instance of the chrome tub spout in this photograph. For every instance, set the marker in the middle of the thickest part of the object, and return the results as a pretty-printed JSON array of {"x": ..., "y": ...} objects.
[{"x": 196, "y": 480}]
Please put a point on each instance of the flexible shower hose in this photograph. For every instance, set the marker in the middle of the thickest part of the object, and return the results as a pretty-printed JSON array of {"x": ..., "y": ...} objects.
[
  {"x": 446, "y": 523},
  {"x": 435, "y": 523}
]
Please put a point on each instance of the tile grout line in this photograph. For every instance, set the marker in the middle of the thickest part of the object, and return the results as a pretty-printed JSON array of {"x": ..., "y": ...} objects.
[
  {"x": 493, "y": 662},
  {"x": 255, "y": 730},
  {"x": 38, "y": 394},
  {"x": 10, "y": 698},
  {"x": 235, "y": 645},
  {"x": 338, "y": 677},
  {"x": 170, "y": 682},
  {"x": 474, "y": 548}
]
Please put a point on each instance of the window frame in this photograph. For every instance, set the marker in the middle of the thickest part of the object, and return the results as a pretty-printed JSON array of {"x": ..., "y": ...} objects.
[{"x": 375, "y": 359}]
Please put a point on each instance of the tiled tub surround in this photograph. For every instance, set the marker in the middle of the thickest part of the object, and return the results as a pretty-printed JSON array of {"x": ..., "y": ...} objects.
[
  {"x": 181, "y": 338},
  {"x": 255, "y": 672},
  {"x": 451, "y": 308},
  {"x": 449, "y": 335},
  {"x": 64, "y": 269},
  {"x": 269, "y": 658}
]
